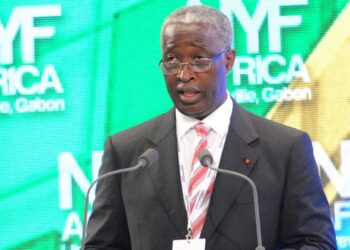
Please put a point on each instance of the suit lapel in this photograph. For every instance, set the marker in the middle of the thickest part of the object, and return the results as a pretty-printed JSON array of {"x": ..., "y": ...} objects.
[
  {"x": 238, "y": 155},
  {"x": 165, "y": 174},
  {"x": 166, "y": 177}
]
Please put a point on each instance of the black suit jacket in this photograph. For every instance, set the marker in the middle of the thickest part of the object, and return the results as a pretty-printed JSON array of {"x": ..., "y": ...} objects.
[{"x": 145, "y": 209}]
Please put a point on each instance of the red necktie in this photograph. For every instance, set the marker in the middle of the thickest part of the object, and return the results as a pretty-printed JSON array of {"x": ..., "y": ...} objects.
[{"x": 200, "y": 187}]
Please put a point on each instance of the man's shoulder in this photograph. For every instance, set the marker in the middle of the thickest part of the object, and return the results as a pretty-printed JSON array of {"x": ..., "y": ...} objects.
[
  {"x": 264, "y": 125},
  {"x": 143, "y": 129}
]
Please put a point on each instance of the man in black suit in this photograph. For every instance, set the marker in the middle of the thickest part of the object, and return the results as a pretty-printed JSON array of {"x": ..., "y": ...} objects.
[{"x": 149, "y": 208}]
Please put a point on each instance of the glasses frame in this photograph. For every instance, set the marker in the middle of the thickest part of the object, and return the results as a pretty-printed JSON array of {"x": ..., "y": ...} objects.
[{"x": 211, "y": 60}]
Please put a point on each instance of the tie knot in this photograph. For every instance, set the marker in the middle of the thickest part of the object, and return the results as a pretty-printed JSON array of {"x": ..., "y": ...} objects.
[{"x": 202, "y": 130}]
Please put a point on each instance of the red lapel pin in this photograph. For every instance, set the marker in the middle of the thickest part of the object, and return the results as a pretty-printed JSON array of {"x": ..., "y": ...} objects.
[{"x": 247, "y": 161}]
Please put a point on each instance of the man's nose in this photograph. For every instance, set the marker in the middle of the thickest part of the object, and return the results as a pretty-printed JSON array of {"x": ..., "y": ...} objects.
[{"x": 185, "y": 74}]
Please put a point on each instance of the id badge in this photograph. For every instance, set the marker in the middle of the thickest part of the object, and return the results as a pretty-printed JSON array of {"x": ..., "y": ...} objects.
[{"x": 196, "y": 244}]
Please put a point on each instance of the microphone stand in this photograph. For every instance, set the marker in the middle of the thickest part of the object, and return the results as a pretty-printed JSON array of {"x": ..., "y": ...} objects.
[
  {"x": 255, "y": 198},
  {"x": 141, "y": 163}
]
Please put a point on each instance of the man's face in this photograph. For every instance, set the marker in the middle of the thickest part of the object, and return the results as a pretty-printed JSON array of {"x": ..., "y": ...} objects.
[{"x": 195, "y": 94}]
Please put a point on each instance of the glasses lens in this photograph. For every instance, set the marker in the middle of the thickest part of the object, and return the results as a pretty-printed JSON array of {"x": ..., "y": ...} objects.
[
  {"x": 200, "y": 65},
  {"x": 170, "y": 68}
]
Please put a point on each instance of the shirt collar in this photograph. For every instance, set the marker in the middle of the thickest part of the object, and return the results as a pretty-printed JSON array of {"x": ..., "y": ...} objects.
[{"x": 218, "y": 120}]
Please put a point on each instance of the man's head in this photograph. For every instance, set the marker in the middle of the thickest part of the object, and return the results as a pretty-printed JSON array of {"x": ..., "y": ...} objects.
[{"x": 193, "y": 35}]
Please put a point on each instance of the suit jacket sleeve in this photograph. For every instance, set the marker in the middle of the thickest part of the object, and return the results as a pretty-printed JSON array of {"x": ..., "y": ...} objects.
[
  {"x": 305, "y": 219},
  {"x": 107, "y": 227}
]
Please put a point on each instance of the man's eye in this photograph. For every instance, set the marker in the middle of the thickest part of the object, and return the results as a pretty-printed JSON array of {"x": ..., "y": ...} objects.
[
  {"x": 171, "y": 59},
  {"x": 199, "y": 57}
]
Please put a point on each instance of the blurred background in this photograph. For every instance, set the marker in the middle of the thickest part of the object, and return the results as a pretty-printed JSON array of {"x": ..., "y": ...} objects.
[{"x": 74, "y": 72}]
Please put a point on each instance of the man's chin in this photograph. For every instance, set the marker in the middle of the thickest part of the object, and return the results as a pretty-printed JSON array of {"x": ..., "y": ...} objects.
[{"x": 195, "y": 113}]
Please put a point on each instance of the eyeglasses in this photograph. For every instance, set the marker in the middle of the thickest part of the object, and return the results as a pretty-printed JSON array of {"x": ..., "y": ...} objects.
[{"x": 200, "y": 65}]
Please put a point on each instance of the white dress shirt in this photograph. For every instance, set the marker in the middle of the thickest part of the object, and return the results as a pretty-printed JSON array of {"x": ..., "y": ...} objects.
[{"x": 187, "y": 139}]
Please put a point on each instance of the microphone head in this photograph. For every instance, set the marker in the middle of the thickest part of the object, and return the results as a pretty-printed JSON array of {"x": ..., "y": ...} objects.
[
  {"x": 205, "y": 158},
  {"x": 149, "y": 157}
]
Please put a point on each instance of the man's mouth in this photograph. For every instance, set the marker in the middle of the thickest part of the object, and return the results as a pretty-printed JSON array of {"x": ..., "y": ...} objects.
[{"x": 189, "y": 95}]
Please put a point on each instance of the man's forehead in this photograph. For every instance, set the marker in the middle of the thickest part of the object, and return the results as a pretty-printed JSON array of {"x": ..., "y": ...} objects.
[
  {"x": 194, "y": 31},
  {"x": 200, "y": 38},
  {"x": 197, "y": 34}
]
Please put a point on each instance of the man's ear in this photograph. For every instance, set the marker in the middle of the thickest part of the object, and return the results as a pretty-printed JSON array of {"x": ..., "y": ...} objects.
[{"x": 230, "y": 56}]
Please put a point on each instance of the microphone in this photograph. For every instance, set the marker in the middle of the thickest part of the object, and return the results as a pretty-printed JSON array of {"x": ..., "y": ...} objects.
[
  {"x": 206, "y": 159},
  {"x": 149, "y": 157}
]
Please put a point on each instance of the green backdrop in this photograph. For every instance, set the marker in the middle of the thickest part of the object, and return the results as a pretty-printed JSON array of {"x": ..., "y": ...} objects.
[{"x": 93, "y": 73}]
